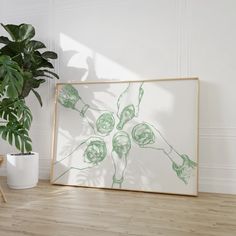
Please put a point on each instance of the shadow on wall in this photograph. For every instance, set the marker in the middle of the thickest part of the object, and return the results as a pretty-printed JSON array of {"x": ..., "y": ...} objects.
[
  {"x": 65, "y": 171},
  {"x": 134, "y": 34},
  {"x": 80, "y": 63},
  {"x": 107, "y": 49}
]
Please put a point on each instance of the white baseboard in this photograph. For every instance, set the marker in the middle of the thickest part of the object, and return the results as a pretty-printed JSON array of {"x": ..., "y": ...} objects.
[{"x": 217, "y": 186}]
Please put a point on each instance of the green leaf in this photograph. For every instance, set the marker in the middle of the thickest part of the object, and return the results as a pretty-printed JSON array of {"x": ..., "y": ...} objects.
[
  {"x": 4, "y": 134},
  {"x": 26, "y": 31},
  {"x": 38, "y": 97},
  {"x": 20, "y": 32},
  {"x": 18, "y": 58},
  {"x": 42, "y": 73},
  {"x": 28, "y": 146},
  {"x": 10, "y": 137},
  {"x": 23, "y": 113},
  {"x": 7, "y": 111},
  {"x": 21, "y": 139},
  {"x": 49, "y": 54},
  {"x": 13, "y": 30},
  {"x": 7, "y": 51},
  {"x": 11, "y": 77},
  {"x": 35, "y": 45},
  {"x": 46, "y": 64},
  {"x": 39, "y": 62},
  {"x": 17, "y": 142},
  {"x": 4, "y": 40},
  {"x": 30, "y": 84},
  {"x": 13, "y": 48}
]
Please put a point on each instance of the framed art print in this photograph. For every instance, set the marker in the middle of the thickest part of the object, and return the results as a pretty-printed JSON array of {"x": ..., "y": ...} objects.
[{"x": 130, "y": 135}]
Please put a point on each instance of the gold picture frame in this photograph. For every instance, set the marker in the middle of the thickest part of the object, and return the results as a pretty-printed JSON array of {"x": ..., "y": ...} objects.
[{"x": 101, "y": 86}]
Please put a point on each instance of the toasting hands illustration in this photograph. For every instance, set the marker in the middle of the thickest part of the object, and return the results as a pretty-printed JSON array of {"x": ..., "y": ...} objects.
[
  {"x": 128, "y": 103},
  {"x": 101, "y": 121},
  {"x": 147, "y": 136}
]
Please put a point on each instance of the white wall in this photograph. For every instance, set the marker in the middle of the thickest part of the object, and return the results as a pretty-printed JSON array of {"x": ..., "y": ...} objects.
[{"x": 130, "y": 39}]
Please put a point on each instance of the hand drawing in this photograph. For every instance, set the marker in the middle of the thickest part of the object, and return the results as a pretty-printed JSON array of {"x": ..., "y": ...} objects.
[
  {"x": 121, "y": 145},
  {"x": 147, "y": 136},
  {"x": 128, "y": 103},
  {"x": 87, "y": 154},
  {"x": 184, "y": 171},
  {"x": 101, "y": 121}
]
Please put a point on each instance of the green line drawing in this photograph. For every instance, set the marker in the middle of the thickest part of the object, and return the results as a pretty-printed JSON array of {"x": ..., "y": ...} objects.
[
  {"x": 128, "y": 103},
  {"x": 142, "y": 134},
  {"x": 126, "y": 115},
  {"x": 184, "y": 171},
  {"x": 105, "y": 123},
  {"x": 147, "y": 136},
  {"x": 68, "y": 96},
  {"x": 101, "y": 121},
  {"x": 93, "y": 150},
  {"x": 121, "y": 145}
]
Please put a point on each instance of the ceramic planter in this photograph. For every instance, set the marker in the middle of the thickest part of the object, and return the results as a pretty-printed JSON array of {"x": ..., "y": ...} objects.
[{"x": 22, "y": 170}]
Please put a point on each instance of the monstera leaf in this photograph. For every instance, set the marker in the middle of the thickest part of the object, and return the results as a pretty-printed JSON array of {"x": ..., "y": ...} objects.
[
  {"x": 16, "y": 134},
  {"x": 10, "y": 77},
  {"x": 16, "y": 110},
  {"x": 18, "y": 120}
]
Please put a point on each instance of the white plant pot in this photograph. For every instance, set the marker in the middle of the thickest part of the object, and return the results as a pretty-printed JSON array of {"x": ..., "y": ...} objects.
[{"x": 22, "y": 170}]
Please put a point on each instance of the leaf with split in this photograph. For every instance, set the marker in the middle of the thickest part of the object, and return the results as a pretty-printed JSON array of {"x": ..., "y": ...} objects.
[
  {"x": 16, "y": 134},
  {"x": 11, "y": 77},
  {"x": 23, "y": 114},
  {"x": 7, "y": 111},
  {"x": 16, "y": 110}
]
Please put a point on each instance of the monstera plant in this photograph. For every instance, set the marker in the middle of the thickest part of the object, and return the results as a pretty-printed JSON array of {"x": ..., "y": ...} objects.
[{"x": 24, "y": 66}]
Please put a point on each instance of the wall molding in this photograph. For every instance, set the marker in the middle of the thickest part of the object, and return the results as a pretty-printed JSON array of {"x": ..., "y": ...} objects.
[
  {"x": 210, "y": 180},
  {"x": 217, "y": 185},
  {"x": 217, "y": 167},
  {"x": 217, "y": 132}
]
